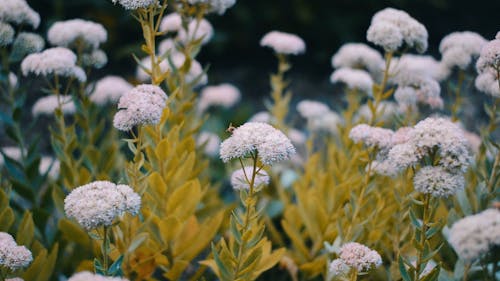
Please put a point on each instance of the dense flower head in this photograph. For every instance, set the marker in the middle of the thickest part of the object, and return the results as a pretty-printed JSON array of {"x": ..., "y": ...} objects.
[
  {"x": 327, "y": 122},
  {"x": 489, "y": 57},
  {"x": 171, "y": 23},
  {"x": 224, "y": 95},
  {"x": 13, "y": 256},
  {"x": 358, "y": 56},
  {"x": 353, "y": 79},
  {"x": 6, "y": 34},
  {"x": 109, "y": 90},
  {"x": 196, "y": 30},
  {"x": 241, "y": 179},
  {"x": 459, "y": 49},
  {"x": 297, "y": 137},
  {"x": 96, "y": 59},
  {"x": 99, "y": 203},
  {"x": 71, "y": 33},
  {"x": 270, "y": 143},
  {"x": 210, "y": 142},
  {"x": 142, "y": 105},
  {"x": 391, "y": 28},
  {"x": 89, "y": 276},
  {"x": 371, "y": 136},
  {"x": 261, "y": 117},
  {"x": 136, "y": 4},
  {"x": 487, "y": 82},
  {"x": 311, "y": 109},
  {"x": 27, "y": 43},
  {"x": 475, "y": 235},
  {"x": 419, "y": 65},
  {"x": 165, "y": 46},
  {"x": 48, "y": 104},
  {"x": 284, "y": 43},
  {"x": 215, "y": 6},
  {"x": 437, "y": 182},
  {"x": 54, "y": 61},
  {"x": 413, "y": 88},
  {"x": 338, "y": 267},
  {"x": 18, "y": 12},
  {"x": 359, "y": 257}
]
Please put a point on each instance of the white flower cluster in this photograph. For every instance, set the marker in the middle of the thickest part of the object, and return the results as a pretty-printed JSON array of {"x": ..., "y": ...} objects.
[
  {"x": 271, "y": 144},
  {"x": 261, "y": 117},
  {"x": 474, "y": 236},
  {"x": 414, "y": 88},
  {"x": 356, "y": 256},
  {"x": 13, "y": 256},
  {"x": 141, "y": 105},
  {"x": 54, "y": 61},
  {"x": 354, "y": 79},
  {"x": 96, "y": 59},
  {"x": 89, "y": 276},
  {"x": 197, "y": 29},
  {"x": 47, "y": 105},
  {"x": 385, "y": 111},
  {"x": 459, "y": 49},
  {"x": 241, "y": 179},
  {"x": 18, "y": 12},
  {"x": 371, "y": 136},
  {"x": 391, "y": 28},
  {"x": 109, "y": 90},
  {"x": 210, "y": 142},
  {"x": 419, "y": 65},
  {"x": 70, "y": 33},
  {"x": 312, "y": 109},
  {"x": 224, "y": 95},
  {"x": 437, "y": 181},
  {"x": 26, "y": 43},
  {"x": 215, "y": 6},
  {"x": 319, "y": 116},
  {"x": 101, "y": 202},
  {"x": 358, "y": 56},
  {"x": 6, "y": 34},
  {"x": 488, "y": 66},
  {"x": 136, "y": 4},
  {"x": 171, "y": 23},
  {"x": 283, "y": 43}
]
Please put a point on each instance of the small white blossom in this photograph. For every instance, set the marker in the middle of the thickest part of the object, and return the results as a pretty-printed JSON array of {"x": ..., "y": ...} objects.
[
  {"x": 197, "y": 29},
  {"x": 27, "y": 43},
  {"x": 459, "y": 49},
  {"x": 261, "y": 117},
  {"x": 88, "y": 276},
  {"x": 224, "y": 95},
  {"x": 327, "y": 122},
  {"x": 136, "y": 4},
  {"x": 358, "y": 56},
  {"x": 489, "y": 57},
  {"x": 310, "y": 109},
  {"x": 210, "y": 142},
  {"x": 391, "y": 28},
  {"x": 487, "y": 82},
  {"x": 166, "y": 46},
  {"x": 338, "y": 267},
  {"x": 215, "y": 6},
  {"x": 474, "y": 236},
  {"x": 11, "y": 152},
  {"x": 359, "y": 257},
  {"x": 437, "y": 182},
  {"x": 109, "y": 90},
  {"x": 241, "y": 179},
  {"x": 18, "y": 12},
  {"x": 142, "y": 105},
  {"x": 13, "y": 256},
  {"x": 71, "y": 33},
  {"x": 371, "y": 136},
  {"x": 12, "y": 80},
  {"x": 297, "y": 137},
  {"x": 96, "y": 59},
  {"x": 6, "y": 34},
  {"x": 171, "y": 23},
  {"x": 284, "y": 43},
  {"x": 99, "y": 203},
  {"x": 353, "y": 79},
  {"x": 48, "y": 104},
  {"x": 385, "y": 112},
  {"x": 271, "y": 144},
  {"x": 55, "y": 61},
  {"x": 419, "y": 65}
]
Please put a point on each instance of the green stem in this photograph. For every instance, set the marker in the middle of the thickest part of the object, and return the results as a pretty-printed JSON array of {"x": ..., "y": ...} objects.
[
  {"x": 279, "y": 108},
  {"x": 105, "y": 248},
  {"x": 422, "y": 237}
]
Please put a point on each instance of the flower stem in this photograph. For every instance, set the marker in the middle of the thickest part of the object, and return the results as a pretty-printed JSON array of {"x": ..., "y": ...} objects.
[
  {"x": 105, "y": 248},
  {"x": 281, "y": 102},
  {"x": 422, "y": 237},
  {"x": 379, "y": 94}
]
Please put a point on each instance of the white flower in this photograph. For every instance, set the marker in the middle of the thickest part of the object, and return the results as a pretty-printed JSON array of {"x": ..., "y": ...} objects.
[
  {"x": 437, "y": 182},
  {"x": 88, "y": 276},
  {"x": 109, "y": 90},
  {"x": 6, "y": 34},
  {"x": 371, "y": 136},
  {"x": 419, "y": 65},
  {"x": 261, "y": 117},
  {"x": 353, "y": 79},
  {"x": 385, "y": 112},
  {"x": 210, "y": 143},
  {"x": 459, "y": 49},
  {"x": 48, "y": 104},
  {"x": 142, "y": 105},
  {"x": 18, "y": 12},
  {"x": 13, "y": 256},
  {"x": 271, "y": 144},
  {"x": 136, "y": 4},
  {"x": 310, "y": 109},
  {"x": 165, "y": 46},
  {"x": 96, "y": 59},
  {"x": 224, "y": 95},
  {"x": 27, "y": 43},
  {"x": 297, "y": 137},
  {"x": 474, "y": 236},
  {"x": 402, "y": 156},
  {"x": 12, "y": 80},
  {"x": 489, "y": 59},
  {"x": 55, "y": 61},
  {"x": 487, "y": 82},
  {"x": 498, "y": 36},
  {"x": 11, "y": 152},
  {"x": 171, "y": 23},
  {"x": 358, "y": 56},
  {"x": 49, "y": 166},
  {"x": 327, "y": 122},
  {"x": 338, "y": 267},
  {"x": 14, "y": 279},
  {"x": 71, "y": 33},
  {"x": 197, "y": 29},
  {"x": 359, "y": 257},
  {"x": 241, "y": 179},
  {"x": 391, "y": 28},
  {"x": 99, "y": 203},
  {"x": 284, "y": 43},
  {"x": 217, "y": 6},
  {"x": 384, "y": 167}
]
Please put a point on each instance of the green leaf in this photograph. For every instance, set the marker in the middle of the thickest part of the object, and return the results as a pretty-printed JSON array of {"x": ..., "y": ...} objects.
[
  {"x": 234, "y": 230},
  {"x": 224, "y": 273},
  {"x": 138, "y": 240},
  {"x": 414, "y": 220},
  {"x": 98, "y": 268},
  {"x": 402, "y": 269},
  {"x": 116, "y": 268}
]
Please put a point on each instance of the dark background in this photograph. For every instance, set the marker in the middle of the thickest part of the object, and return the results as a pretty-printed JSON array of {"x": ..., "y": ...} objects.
[{"x": 234, "y": 54}]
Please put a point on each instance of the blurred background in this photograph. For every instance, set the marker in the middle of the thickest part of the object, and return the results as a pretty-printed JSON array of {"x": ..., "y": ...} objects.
[{"x": 234, "y": 54}]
